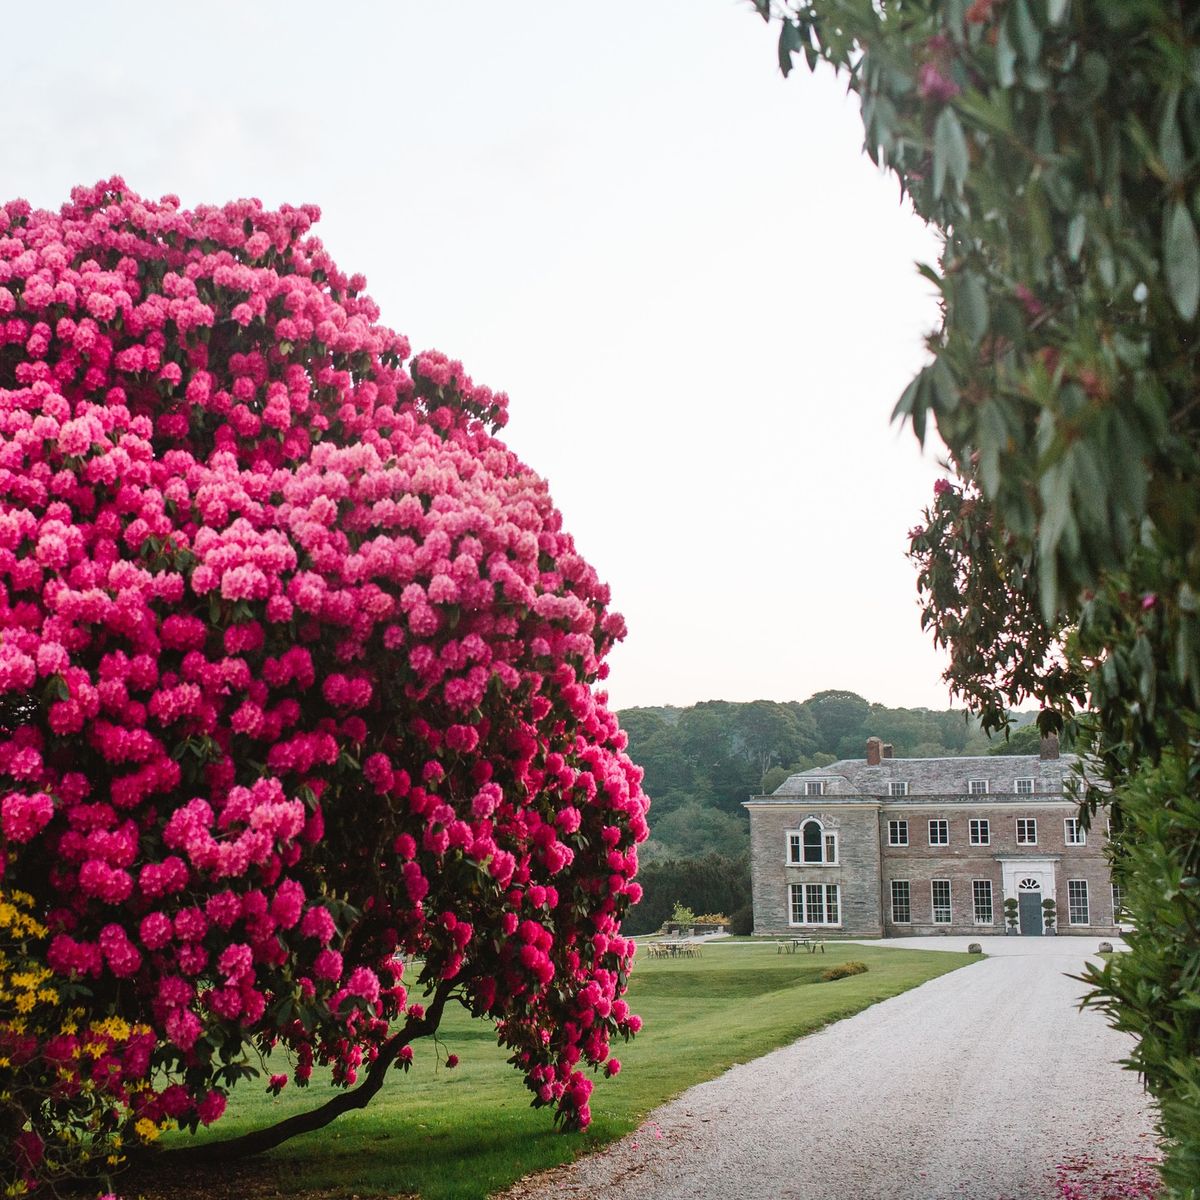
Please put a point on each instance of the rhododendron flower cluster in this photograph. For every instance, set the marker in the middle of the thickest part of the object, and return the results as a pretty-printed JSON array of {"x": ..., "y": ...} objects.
[{"x": 297, "y": 665}]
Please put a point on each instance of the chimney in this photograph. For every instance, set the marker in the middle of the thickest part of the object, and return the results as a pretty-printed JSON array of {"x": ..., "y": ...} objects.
[
  {"x": 1049, "y": 747},
  {"x": 874, "y": 751},
  {"x": 888, "y": 750}
]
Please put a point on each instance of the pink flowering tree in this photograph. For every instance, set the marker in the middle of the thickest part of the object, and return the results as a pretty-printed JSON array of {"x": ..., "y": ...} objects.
[{"x": 296, "y": 675}]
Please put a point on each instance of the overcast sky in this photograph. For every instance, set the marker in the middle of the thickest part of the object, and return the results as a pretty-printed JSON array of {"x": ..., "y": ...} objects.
[{"x": 697, "y": 292}]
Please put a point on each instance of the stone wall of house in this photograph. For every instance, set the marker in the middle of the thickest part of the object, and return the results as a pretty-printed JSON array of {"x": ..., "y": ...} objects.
[{"x": 856, "y": 872}]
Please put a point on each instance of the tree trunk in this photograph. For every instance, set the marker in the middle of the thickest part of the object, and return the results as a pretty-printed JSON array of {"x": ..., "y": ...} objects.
[{"x": 260, "y": 1140}]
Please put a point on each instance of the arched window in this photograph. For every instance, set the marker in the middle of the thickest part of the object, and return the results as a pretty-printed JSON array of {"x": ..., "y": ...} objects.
[
  {"x": 814, "y": 842},
  {"x": 811, "y": 845}
]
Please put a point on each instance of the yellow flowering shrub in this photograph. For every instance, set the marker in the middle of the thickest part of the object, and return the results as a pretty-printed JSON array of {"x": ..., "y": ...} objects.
[{"x": 70, "y": 1082}]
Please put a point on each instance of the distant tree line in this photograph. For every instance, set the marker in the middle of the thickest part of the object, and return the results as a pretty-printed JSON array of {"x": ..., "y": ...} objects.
[{"x": 711, "y": 883}]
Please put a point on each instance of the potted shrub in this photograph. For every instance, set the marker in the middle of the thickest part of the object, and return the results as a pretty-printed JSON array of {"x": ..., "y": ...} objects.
[
  {"x": 1049, "y": 916},
  {"x": 1010, "y": 914}
]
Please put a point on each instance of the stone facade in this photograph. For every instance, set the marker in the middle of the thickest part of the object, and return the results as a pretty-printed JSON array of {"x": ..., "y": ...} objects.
[{"x": 891, "y": 846}]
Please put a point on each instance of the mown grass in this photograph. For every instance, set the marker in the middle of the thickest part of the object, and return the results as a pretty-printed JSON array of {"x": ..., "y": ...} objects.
[{"x": 462, "y": 1134}]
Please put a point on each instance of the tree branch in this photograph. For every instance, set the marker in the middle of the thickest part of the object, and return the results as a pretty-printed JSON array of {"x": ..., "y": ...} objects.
[{"x": 260, "y": 1140}]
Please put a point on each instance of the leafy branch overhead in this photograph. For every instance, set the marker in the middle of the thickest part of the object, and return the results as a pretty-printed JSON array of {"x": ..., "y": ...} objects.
[{"x": 1056, "y": 147}]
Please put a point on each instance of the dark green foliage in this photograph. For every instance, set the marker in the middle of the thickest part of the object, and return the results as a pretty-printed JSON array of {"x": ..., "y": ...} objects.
[
  {"x": 709, "y": 884},
  {"x": 741, "y": 921},
  {"x": 842, "y": 970},
  {"x": 1153, "y": 991},
  {"x": 1027, "y": 740},
  {"x": 1056, "y": 145}
]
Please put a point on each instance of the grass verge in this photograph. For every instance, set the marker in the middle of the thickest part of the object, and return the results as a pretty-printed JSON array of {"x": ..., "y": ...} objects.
[{"x": 465, "y": 1133}]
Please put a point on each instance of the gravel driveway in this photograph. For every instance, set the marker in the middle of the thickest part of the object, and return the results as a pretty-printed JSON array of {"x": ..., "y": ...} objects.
[{"x": 972, "y": 1086}]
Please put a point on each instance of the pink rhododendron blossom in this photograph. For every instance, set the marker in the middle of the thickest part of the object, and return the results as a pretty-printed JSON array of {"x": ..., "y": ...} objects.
[{"x": 303, "y": 661}]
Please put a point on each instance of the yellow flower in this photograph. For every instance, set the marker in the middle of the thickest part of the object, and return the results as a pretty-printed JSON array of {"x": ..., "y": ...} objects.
[{"x": 146, "y": 1129}]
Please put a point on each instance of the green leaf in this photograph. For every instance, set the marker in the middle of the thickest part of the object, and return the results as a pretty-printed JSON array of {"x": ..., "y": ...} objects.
[
  {"x": 1075, "y": 234},
  {"x": 1026, "y": 34},
  {"x": 1006, "y": 59},
  {"x": 1170, "y": 140},
  {"x": 1181, "y": 259},
  {"x": 971, "y": 306},
  {"x": 950, "y": 155},
  {"x": 790, "y": 40},
  {"x": 945, "y": 390},
  {"x": 1056, "y": 10}
]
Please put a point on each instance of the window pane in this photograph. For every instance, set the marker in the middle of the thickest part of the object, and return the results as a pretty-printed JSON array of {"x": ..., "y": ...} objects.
[
  {"x": 812, "y": 842},
  {"x": 941, "y": 901},
  {"x": 1077, "y": 900},
  {"x": 982, "y": 889},
  {"x": 830, "y": 848},
  {"x": 796, "y": 897},
  {"x": 814, "y": 902},
  {"x": 831, "y": 904},
  {"x": 793, "y": 847},
  {"x": 897, "y": 833},
  {"x": 901, "y": 906},
  {"x": 939, "y": 833}
]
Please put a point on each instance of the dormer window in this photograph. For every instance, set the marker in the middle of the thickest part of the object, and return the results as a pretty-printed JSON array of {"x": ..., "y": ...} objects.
[
  {"x": 812, "y": 846},
  {"x": 898, "y": 787},
  {"x": 977, "y": 787},
  {"x": 814, "y": 787},
  {"x": 1024, "y": 787}
]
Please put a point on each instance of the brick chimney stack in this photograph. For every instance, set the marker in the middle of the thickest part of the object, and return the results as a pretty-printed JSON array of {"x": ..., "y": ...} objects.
[
  {"x": 888, "y": 750},
  {"x": 874, "y": 751},
  {"x": 1049, "y": 747}
]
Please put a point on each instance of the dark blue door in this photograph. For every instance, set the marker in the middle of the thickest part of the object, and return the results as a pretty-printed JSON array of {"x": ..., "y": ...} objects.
[{"x": 1031, "y": 913}]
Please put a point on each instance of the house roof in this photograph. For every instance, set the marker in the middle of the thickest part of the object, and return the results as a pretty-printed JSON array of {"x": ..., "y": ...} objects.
[{"x": 853, "y": 778}]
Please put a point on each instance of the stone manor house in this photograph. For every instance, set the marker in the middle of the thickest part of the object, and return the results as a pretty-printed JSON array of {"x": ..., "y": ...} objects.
[{"x": 887, "y": 846}]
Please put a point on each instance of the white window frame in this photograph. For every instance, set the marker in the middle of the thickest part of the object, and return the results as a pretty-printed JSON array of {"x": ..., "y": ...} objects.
[
  {"x": 907, "y": 901},
  {"x": 944, "y": 822},
  {"x": 976, "y": 886},
  {"x": 983, "y": 827},
  {"x": 1025, "y": 840},
  {"x": 1073, "y": 905},
  {"x": 977, "y": 787},
  {"x": 898, "y": 787},
  {"x": 829, "y": 846},
  {"x": 804, "y": 893},
  {"x": 1023, "y": 790},
  {"x": 897, "y": 829},
  {"x": 1120, "y": 916},
  {"x": 1073, "y": 832},
  {"x": 814, "y": 787},
  {"x": 949, "y": 905}
]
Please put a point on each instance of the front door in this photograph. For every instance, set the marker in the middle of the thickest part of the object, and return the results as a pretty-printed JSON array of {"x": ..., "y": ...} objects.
[{"x": 1031, "y": 913}]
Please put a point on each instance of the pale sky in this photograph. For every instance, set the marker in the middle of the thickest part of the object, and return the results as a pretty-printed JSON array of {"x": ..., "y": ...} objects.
[{"x": 698, "y": 293}]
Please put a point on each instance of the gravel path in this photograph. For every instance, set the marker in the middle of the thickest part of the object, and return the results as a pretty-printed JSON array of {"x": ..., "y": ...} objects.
[{"x": 973, "y": 1087}]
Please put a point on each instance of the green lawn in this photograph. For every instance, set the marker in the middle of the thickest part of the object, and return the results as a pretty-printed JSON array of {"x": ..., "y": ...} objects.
[{"x": 461, "y": 1134}]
